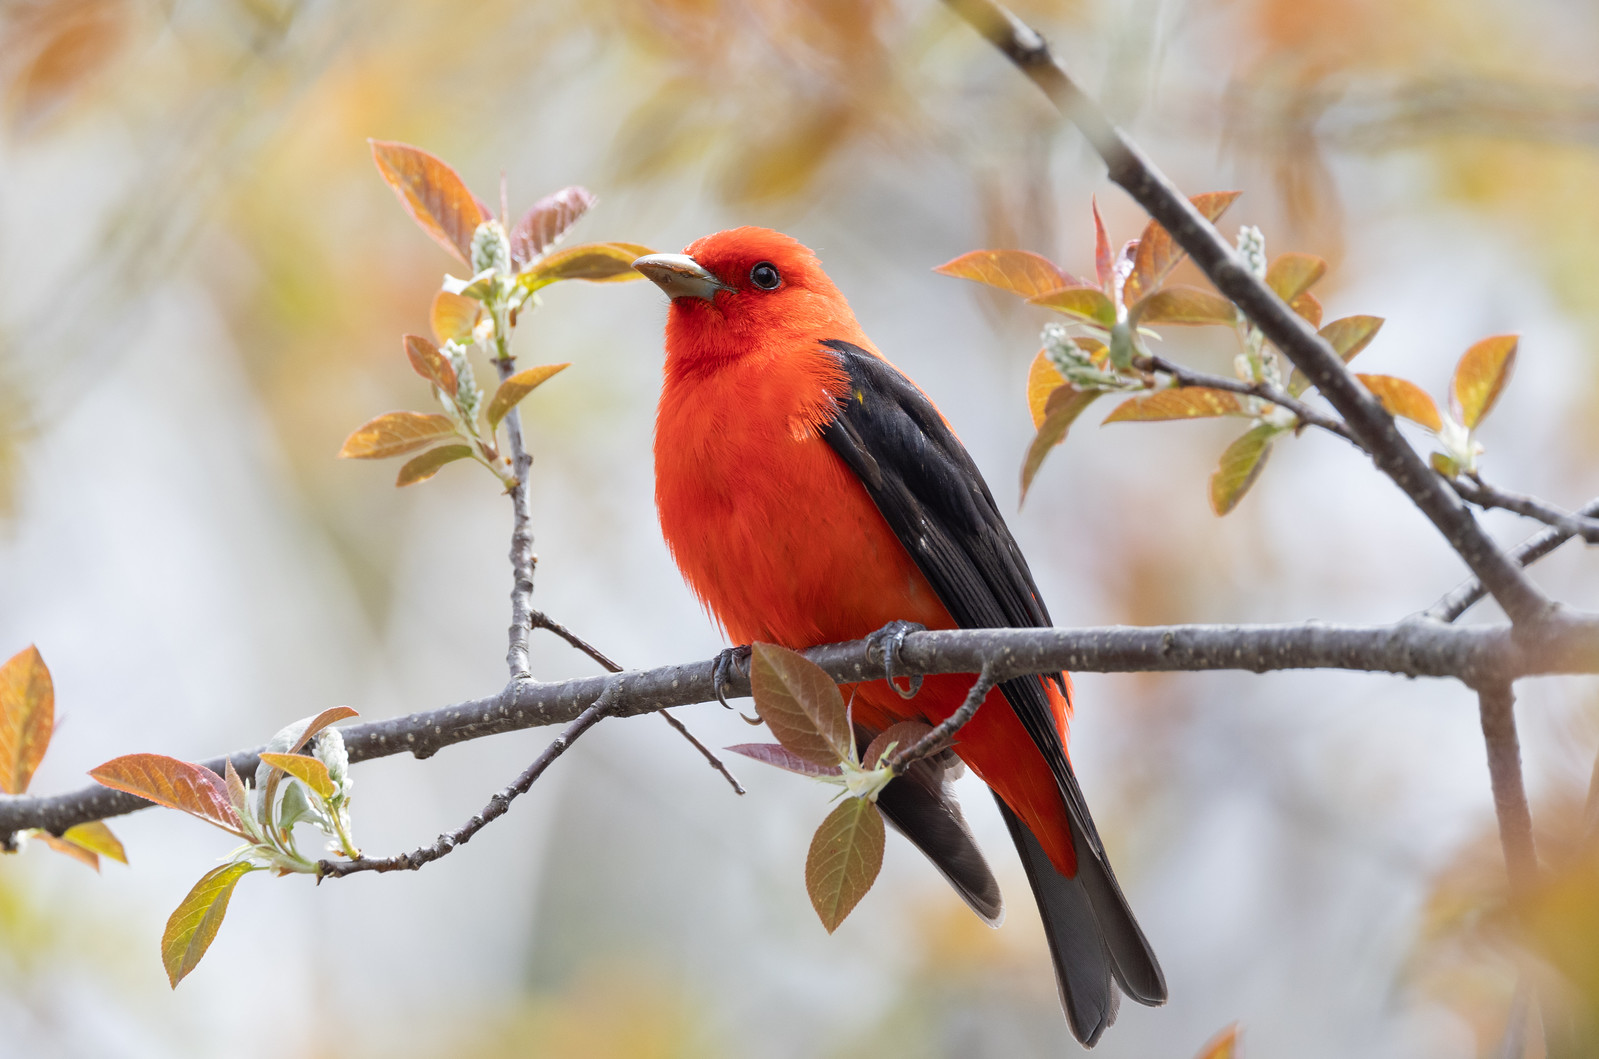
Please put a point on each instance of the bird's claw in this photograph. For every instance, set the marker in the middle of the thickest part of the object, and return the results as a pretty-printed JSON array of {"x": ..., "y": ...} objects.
[
  {"x": 888, "y": 641},
  {"x": 726, "y": 661}
]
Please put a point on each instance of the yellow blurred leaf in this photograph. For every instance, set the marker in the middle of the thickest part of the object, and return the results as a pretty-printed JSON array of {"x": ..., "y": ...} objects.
[
  {"x": 1240, "y": 465},
  {"x": 1042, "y": 380},
  {"x": 432, "y": 193},
  {"x": 396, "y": 433},
  {"x": 1187, "y": 402},
  {"x": 308, "y": 770},
  {"x": 518, "y": 386},
  {"x": 27, "y": 717},
  {"x": 1177, "y": 304},
  {"x": 425, "y": 466},
  {"x": 1403, "y": 398},
  {"x": 96, "y": 837},
  {"x": 1444, "y": 465},
  {"x": 194, "y": 923},
  {"x": 1157, "y": 254},
  {"x": 1293, "y": 274},
  {"x": 1480, "y": 377},
  {"x": 1347, "y": 335},
  {"x": 453, "y": 317},
  {"x": 546, "y": 222},
  {"x": 801, "y": 705},
  {"x": 428, "y": 362},
  {"x": 1061, "y": 410},
  {"x": 595, "y": 262},
  {"x": 1016, "y": 271},
  {"x": 192, "y": 789},
  {"x": 1085, "y": 303},
  {"x": 845, "y": 856},
  {"x": 1223, "y": 1046}
]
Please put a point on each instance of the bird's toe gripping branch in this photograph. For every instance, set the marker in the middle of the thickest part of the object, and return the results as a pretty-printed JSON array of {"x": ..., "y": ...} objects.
[
  {"x": 888, "y": 641},
  {"x": 726, "y": 662}
]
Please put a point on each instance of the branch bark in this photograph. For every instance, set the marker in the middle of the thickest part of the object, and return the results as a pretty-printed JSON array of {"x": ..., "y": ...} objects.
[
  {"x": 523, "y": 560},
  {"x": 1476, "y": 491},
  {"x": 1128, "y": 168},
  {"x": 1466, "y": 595},
  {"x": 1306, "y": 415},
  {"x": 1496, "y": 704}
]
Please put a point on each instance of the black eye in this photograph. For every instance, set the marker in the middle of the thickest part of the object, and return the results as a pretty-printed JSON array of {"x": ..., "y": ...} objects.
[{"x": 764, "y": 276}]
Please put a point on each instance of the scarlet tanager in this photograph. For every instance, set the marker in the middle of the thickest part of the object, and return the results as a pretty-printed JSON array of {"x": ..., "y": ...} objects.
[{"x": 811, "y": 493}]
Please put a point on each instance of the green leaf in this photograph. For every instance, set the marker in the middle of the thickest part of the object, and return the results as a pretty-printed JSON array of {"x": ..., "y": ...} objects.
[
  {"x": 97, "y": 838},
  {"x": 801, "y": 705},
  {"x": 432, "y": 193},
  {"x": 595, "y": 262},
  {"x": 308, "y": 770},
  {"x": 1293, "y": 274},
  {"x": 395, "y": 434},
  {"x": 1084, "y": 303},
  {"x": 1347, "y": 335},
  {"x": 1401, "y": 397},
  {"x": 425, "y": 466},
  {"x": 518, "y": 386},
  {"x": 1445, "y": 465},
  {"x": 1061, "y": 410},
  {"x": 1184, "y": 402},
  {"x": 27, "y": 717},
  {"x": 1240, "y": 465},
  {"x": 1013, "y": 271},
  {"x": 780, "y": 756},
  {"x": 1158, "y": 254},
  {"x": 194, "y": 923},
  {"x": 1178, "y": 304},
  {"x": 193, "y": 789},
  {"x": 1480, "y": 377},
  {"x": 845, "y": 856},
  {"x": 428, "y": 362}
]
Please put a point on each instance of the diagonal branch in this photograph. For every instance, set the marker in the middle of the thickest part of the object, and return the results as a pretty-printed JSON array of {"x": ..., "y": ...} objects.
[
  {"x": 1476, "y": 491},
  {"x": 1364, "y": 416},
  {"x": 1465, "y": 595}
]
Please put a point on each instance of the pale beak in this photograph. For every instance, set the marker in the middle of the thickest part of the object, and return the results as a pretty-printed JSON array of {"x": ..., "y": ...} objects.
[{"x": 680, "y": 276}]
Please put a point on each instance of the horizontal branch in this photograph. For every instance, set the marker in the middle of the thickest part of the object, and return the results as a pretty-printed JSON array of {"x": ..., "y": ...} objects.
[
  {"x": 1479, "y": 492},
  {"x": 1466, "y": 595},
  {"x": 1416, "y": 647},
  {"x": 1303, "y": 412}
]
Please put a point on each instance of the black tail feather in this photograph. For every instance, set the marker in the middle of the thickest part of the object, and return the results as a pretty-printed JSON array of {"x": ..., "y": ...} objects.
[{"x": 922, "y": 808}]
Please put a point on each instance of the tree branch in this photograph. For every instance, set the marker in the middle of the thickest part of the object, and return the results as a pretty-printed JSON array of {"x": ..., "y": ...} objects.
[
  {"x": 1265, "y": 391},
  {"x": 1496, "y": 703},
  {"x": 1465, "y": 595},
  {"x": 944, "y": 734},
  {"x": 449, "y": 842},
  {"x": 1476, "y": 491},
  {"x": 1364, "y": 416},
  {"x": 1416, "y": 647},
  {"x": 522, "y": 558}
]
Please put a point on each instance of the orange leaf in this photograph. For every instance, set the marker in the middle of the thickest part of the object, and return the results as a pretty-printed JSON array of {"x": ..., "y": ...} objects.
[
  {"x": 1186, "y": 402},
  {"x": 1308, "y": 308},
  {"x": 1347, "y": 335},
  {"x": 546, "y": 221},
  {"x": 1480, "y": 377},
  {"x": 331, "y": 715},
  {"x": 1016, "y": 271},
  {"x": 193, "y": 789},
  {"x": 432, "y": 193},
  {"x": 1157, "y": 254},
  {"x": 27, "y": 717},
  {"x": 308, "y": 770},
  {"x": 453, "y": 317},
  {"x": 1240, "y": 466},
  {"x": 96, "y": 837},
  {"x": 394, "y": 434},
  {"x": 1042, "y": 380},
  {"x": 1402, "y": 397},
  {"x": 1222, "y": 1046},
  {"x": 421, "y": 468},
  {"x": 70, "y": 849},
  {"x": 1061, "y": 410},
  {"x": 1085, "y": 303},
  {"x": 518, "y": 386},
  {"x": 1177, "y": 304},
  {"x": 1293, "y": 274},
  {"x": 428, "y": 362}
]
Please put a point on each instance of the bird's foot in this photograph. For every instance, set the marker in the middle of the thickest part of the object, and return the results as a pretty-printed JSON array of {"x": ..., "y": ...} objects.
[
  {"x": 888, "y": 641},
  {"x": 727, "y": 662}
]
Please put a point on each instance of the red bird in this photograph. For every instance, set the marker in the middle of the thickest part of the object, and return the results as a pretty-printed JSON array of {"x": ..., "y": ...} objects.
[{"x": 811, "y": 493}]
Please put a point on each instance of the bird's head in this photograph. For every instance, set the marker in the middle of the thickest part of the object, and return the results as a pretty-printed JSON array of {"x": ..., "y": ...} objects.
[{"x": 740, "y": 291}]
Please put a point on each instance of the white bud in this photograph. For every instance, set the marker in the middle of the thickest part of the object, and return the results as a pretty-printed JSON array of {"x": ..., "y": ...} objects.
[{"x": 491, "y": 248}]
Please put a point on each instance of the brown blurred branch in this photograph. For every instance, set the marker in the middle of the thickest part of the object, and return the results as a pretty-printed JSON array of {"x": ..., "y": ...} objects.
[
  {"x": 1497, "y": 705},
  {"x": 1465, "y": 595},
  {"x": 1364, "y": 416},
  {"x": 1477, "y": 655}
]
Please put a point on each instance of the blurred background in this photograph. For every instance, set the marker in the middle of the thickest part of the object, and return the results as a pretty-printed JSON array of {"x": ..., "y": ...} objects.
[{"x": 203, "y": 282}]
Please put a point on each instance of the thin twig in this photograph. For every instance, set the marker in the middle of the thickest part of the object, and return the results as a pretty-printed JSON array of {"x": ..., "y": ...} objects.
[
  {"x": 1465, "y": 595},
  {"x": 1265, "y": 391},
  {"x": 1479, "y": 492},
  {"x": 1496, "y": 703},
  {"x": 523, "y": 560},
  {"x": 449, "y": 842},
  {"x": 542, "y": 620},
  {"x": 944, "y": 734},
  {"x": 1127, "y": 167}
]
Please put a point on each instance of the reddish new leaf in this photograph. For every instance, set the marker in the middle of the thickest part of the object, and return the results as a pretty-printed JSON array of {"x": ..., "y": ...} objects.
[
  {"x": 1404, "y": 398},
  {"x": 845, "y": 856},
  {"x": 1187, "y": 402},
  {"x": 1084, "y": 303},
  {"x": 330, "y": 716},
  {"x": 800, "y": 704},
  {"x": 780, "y": 756},
  {"x": 1240, "y": 466},
  {"x": 1293, "y": 274},
  {"x": 1480, "y": 377},
  {"x": 1178, "y": 304},
  {"x": 27, "y": 717},
  {"x": 193, "y": 789},
  {"x": 194, "y": 923},
  {"x": 518, "y": 386},
  {"x": 1061, "y": 410},
  {"x": 1158, "y": 254},
  {"x": 421, "y": 468},
  {"x": 546, "y": 222},
  {"x": 432, "y": 193},
  {"x": 428, "y": 362},
  {"x": 453, "y": 317},
  {"x": 900, "y": 736},
  {"x": 395, "y": 434},
  {"x": 1014, "y": 271},
  {"x": 1104, "y": 264}
]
